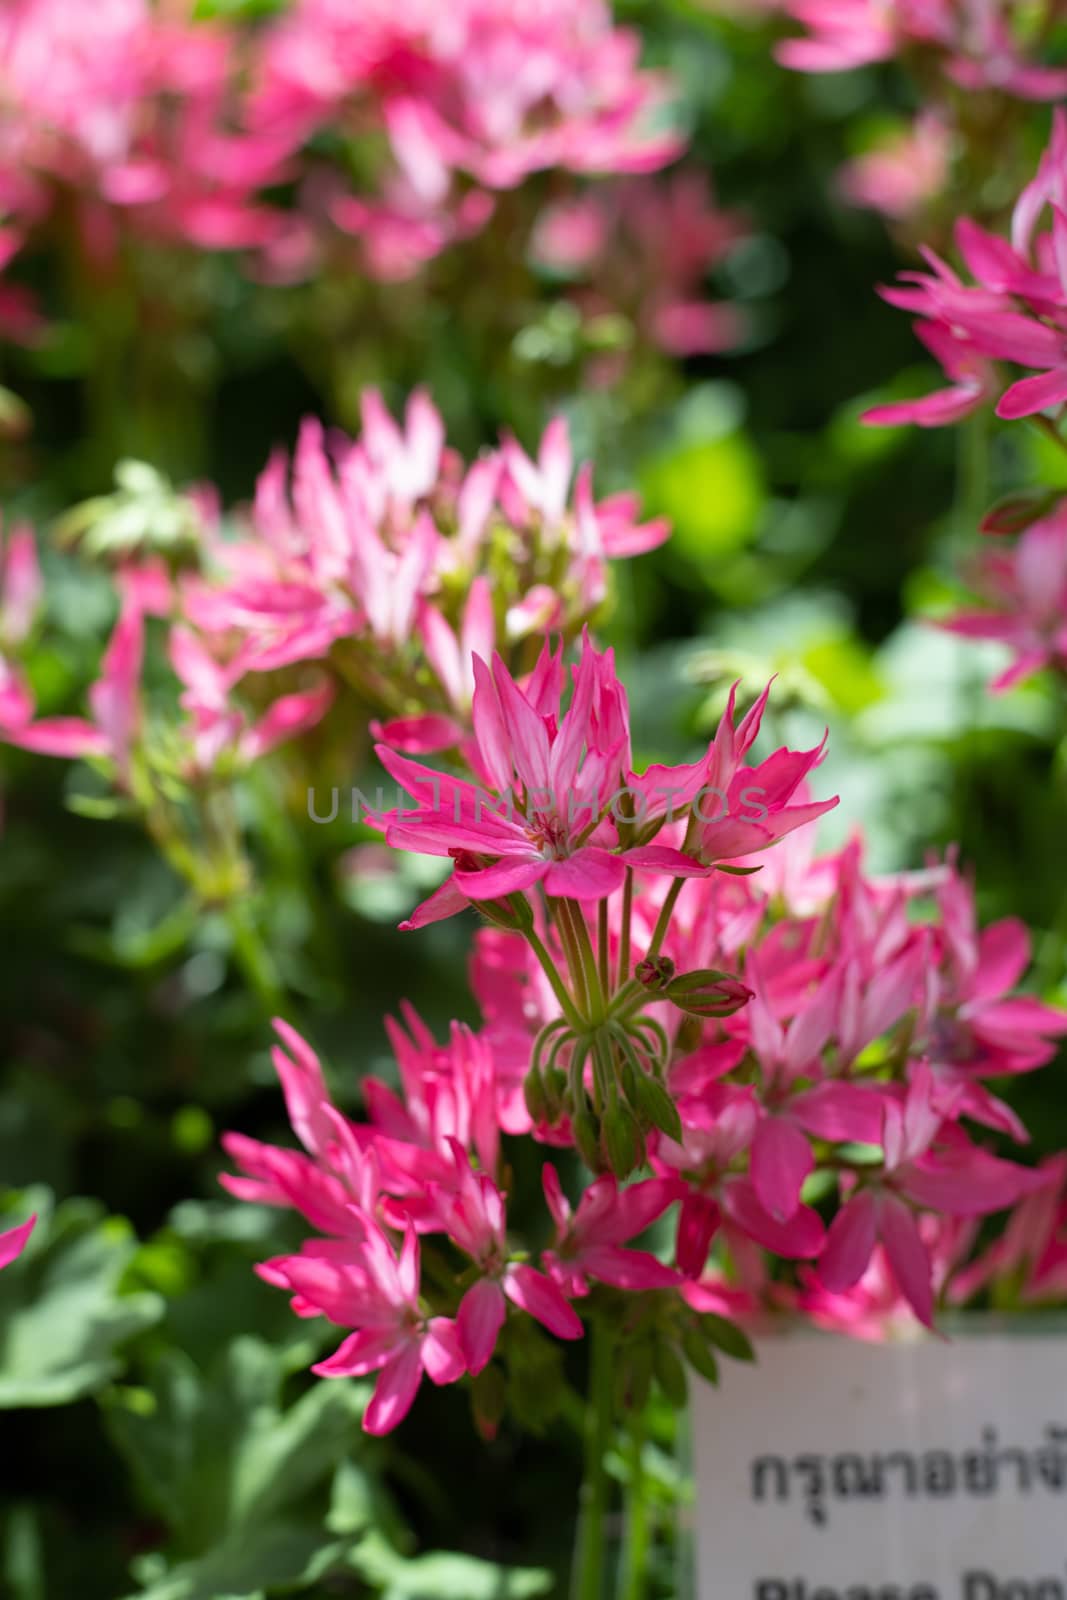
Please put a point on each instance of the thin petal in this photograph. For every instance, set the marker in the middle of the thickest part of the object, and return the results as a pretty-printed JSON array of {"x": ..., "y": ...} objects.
[
  {"x": 539, "y": 1296},
  {"x": 479, "y": 1320}
]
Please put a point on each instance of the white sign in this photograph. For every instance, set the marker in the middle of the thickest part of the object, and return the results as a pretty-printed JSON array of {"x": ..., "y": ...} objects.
[{"x": 835, "y": 1470}]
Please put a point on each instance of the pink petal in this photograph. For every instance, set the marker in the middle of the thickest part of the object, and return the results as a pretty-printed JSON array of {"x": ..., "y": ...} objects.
[
  {"x": 13, "y": 1241},
  {"x": 849, "y": 1243},
  {"x": 698, "y": 1222},
  {"x": 479, "y": 1321},
  {"x": 781, "y": 1161},
  {"x": 838, "y": 1111},
  {"x": 555, "y": 1199},
  {"x": 394, "y": 1392},
  {"x": 419, "y": 736},
  {"x": 447, "y": 901},
  {"x": 908, "y": 1257},
  {"x": 362, "y": 1352},
  {"x": 1003, "y": 957},
  {"x": 936, "y": 410},
  {"x": 66, "y": 737},
  {"x": 506, "y": 877},
  {"x": 626, "y": 1269},
  {"x": 801, "y": 1238},
  {"x": 540, "y": 1298},
  {"x": 589, "y": 875},
  {"x": 442, "y": 1352},
  {"x": 1031, "y": 395},
  {"x": 662, "y": 858}
]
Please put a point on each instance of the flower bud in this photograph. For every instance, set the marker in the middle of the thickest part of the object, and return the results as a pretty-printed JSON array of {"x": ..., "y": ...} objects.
[
  {"x": 533, "y": 1092},
  {"x": 655, "y": 974},
  {"x": 621, "y": 1140},
  {"x": 586, "y": 1133},
  {"x": 654, "y": 1106},
  {"x": 707, "y": 993},
  {"x": 555, "y": 1081}
]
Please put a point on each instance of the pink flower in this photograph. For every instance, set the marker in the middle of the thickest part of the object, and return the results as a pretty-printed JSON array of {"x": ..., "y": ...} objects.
[
  {"x": 589, "y": 1241},
  {"x": 1032, "y": 1250},
  {"x": 1015, "y": 312},
  {"x": 973, "y": 37},
  {"x": 1025, "y": 585},
  {"x": 927, "y": 1165},
  {"x": 719, "y": 1125},
  {"x": 644, "y": 248},
  {"x": 489, "y": 91},
  {"x": 220, "y": 731},
  {"x": 114, "y": 700},
  {"x": 902, "y": 173},
  {"x": 377, "y": 1292},
  {"x": 474, "y": 1219},
  {"x": 373, "y": 539},
  {"x": 735, "y": 810},
  {"x": 552, "y": 776}
]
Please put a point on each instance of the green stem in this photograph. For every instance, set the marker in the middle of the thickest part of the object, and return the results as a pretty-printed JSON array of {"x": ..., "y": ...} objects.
[
  {"x": 603, "y": 948},
  {"x": 256, "y": 962},
  {"x": 551, "y": 972},
  {"x": 587, "y": 956},
  {"x": 972, "y": 481},
  {"x": 568, "y": 938},
  {"x": 627, "y": 918},
  {"x": 663, "y": 921},
  {"x": 633, "y": 1583},
  {"x": 588, "y": 1577}
]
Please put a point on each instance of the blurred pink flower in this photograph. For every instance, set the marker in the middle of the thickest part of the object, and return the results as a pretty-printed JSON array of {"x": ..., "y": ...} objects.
[
  {"x": 1025, "y": 588},
  {"x": 975, "y": 39},
  {"x": 645, "y": 249},
  {"x": 902, "y": 173}
]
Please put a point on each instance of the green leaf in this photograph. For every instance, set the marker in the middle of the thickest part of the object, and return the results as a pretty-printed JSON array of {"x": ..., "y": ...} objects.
[
  {"x": 442, "y": 1576},
  {"x": 250, "y": 1564},
  {"x": 699, "y": 1356},
  {"x": 62, "y": 1317},
  {"x": 712, "y": 491},
  {"x": 215, "y": 1454},
  {"x": 727, "y": 1337},
  {"x": 670, "y": 1374}
]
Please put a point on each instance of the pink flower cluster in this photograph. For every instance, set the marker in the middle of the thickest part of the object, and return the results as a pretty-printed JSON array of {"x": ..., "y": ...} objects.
[
  {"x": 644, "y": 249},
  {"x": 130, "y": 112},
  {"x": 471, "y": 98},
  {"x": 386, "y": 559},
  {"x": 212, "y": 731},
  {"x": 792, "y": 1054},
  {"x": 556, "y": 801},
  {"x": 419, "y": 562},
  {"x": 975, "y": 41},
  {"x": 1015, "y": 311}
]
